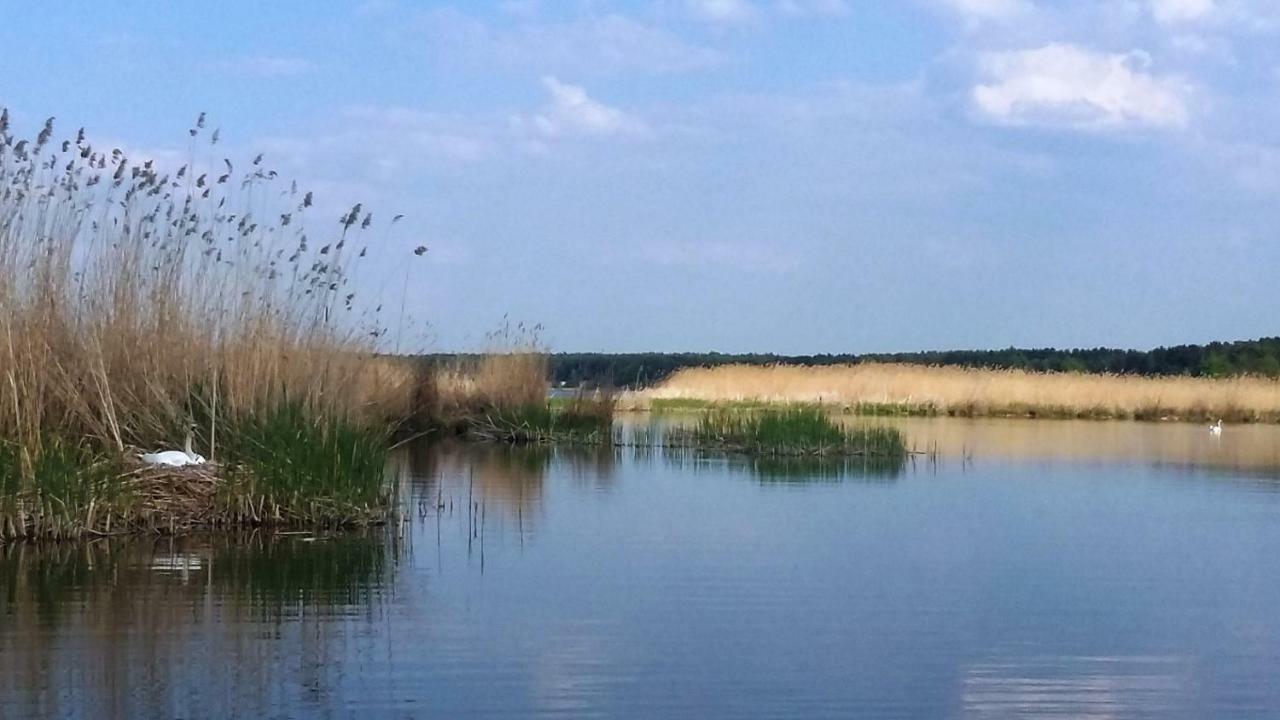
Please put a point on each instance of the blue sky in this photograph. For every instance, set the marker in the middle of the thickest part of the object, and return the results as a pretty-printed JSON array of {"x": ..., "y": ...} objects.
[{"x": 736, "y": 175}]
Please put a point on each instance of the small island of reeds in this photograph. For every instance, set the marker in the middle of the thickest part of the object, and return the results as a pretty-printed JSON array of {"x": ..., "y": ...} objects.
[
  {"x": 139, "y": 300},
  {"x": 788, "y": 431}
]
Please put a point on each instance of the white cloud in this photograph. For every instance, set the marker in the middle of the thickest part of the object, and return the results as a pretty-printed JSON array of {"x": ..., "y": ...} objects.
[
  {"x": 1175, "y": 11},
  {"x": 722, "y": 11},
  {"x": 573, "y": 112},
  {"x": 1069, "y": 86}
]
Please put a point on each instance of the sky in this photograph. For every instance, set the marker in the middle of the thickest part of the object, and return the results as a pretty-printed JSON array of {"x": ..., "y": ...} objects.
[{"x": 792, "y": 176}]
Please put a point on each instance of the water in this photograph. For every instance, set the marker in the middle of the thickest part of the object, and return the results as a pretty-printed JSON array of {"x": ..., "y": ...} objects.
[{"x": 1038, "y": 569}]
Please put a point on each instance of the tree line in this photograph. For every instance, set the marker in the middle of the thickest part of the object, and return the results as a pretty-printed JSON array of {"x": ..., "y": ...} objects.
[{"x": 1216, "y": 359}]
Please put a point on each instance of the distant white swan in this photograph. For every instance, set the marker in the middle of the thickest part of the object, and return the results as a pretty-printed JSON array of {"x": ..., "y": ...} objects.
[
  {"x": 175, "y": 458},
  {"x": 1216, "y": 428}
]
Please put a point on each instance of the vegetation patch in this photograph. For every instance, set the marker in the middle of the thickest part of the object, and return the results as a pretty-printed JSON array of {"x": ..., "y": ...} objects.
[
  {"x": 285, "y": 465},
  {"x": 1259, "y": 357},
  {"x": 872, "y": 389},
  {"x": 792, "y": 431},
  {"x": 276, "y": 467},
  {"x": 138, "y": 296},
  {"x": 583, "y": 420}
]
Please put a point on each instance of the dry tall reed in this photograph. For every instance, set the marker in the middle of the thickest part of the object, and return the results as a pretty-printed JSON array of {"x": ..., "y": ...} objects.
[
  {"x": 512, "y": 373},
  {"x": 972, "y": 392},
  {"x": 135, "y": 298}
]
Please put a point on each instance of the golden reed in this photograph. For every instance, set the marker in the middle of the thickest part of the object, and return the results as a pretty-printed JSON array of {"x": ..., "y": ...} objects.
[{"x": 979, "y": 392}]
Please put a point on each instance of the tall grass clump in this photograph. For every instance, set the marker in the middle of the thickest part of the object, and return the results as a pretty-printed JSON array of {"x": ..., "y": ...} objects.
[
  {"x": 585, "y": 419},
  {"x": 793, "y": 431},
  {"x": 136, "y": 296},
  {"x": 502, "y": 395},
  {"x": 513, "y": 372},
  {"x": 286, "y": 465}
]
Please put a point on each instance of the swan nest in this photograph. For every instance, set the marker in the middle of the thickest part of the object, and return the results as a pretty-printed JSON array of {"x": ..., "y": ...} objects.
[{"x": 174, "y": 497}]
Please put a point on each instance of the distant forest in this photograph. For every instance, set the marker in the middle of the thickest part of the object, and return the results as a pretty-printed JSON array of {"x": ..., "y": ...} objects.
[{"x": 1218, "y": 359}]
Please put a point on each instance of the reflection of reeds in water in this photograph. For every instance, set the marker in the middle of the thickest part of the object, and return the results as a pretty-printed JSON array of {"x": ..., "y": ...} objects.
[
  {"x": 268, "y": 572},
  {"x": 96, "y": 619},
  {"x": 786, "y": 469},
  {"x": 277, "y": 575},
  {"x": 1255, "y": 448},
  {"x": 802, "y": 470},
  {"x": 516, "y": 474},
  {"x": 909, "y": 389},
  {"x": 506, "y": 476}
]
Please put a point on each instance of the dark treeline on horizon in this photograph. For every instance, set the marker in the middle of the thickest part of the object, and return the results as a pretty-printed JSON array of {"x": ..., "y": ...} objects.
[{"x": 1217, "y": 359}]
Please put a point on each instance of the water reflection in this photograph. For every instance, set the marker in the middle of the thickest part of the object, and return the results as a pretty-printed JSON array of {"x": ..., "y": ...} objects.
[
  {"x": 1076, "y": 687},
  {"x": 787, "y": 470},
  {"x": 1251, "y": 449},
  {"x": 142, "y": 628},
  {"x": 270, "y": 573},
  {"x": 638, "y": 582},
  {"x": 511, "y": 478}
]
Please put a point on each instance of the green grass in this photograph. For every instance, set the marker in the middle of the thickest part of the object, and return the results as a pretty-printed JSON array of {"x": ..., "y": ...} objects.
[
  {"x": 296, "y": 467},
  {"x": 800, "y": 430},
  {"x": 685, "y": 405},
  {"x": 143, "y": 298},
  {"x": 60, "y": 491},
  {"x": 278, "y": 465},
  {"x": 581, "y": 421}
]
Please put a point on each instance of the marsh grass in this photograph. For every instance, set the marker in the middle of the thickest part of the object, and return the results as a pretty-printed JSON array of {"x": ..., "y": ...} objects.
[
  {"x": 284, "y": 464},
  {"x": 586, "y": 419},
  {"x": 58, "y": 492},
  {"x": 136, "y": 297},
  {"x": 791, "y": 431},
  {"x": 501, "y": 395},
  {"x": 512, "y": 374},
  {"x": 890, "y": 389}
]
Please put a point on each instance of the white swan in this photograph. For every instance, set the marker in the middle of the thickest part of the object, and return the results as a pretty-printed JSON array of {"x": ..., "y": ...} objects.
[
  {"x": 1216, "y": 429},
  {"x": 175, "y": 458}
]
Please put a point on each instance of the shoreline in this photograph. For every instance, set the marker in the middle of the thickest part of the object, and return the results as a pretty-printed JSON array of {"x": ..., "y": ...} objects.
[
  {"x": 678, "y": 406},
  {"x": 903, "y": 390}
]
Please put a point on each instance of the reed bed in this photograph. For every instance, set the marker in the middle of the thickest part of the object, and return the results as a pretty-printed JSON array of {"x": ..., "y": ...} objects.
[
  {"x": 919, "y": 390},
  {"x": 136, "y": 299},
  {"x": 790, "y": 431},
  {"x": 513, "y": 378},
  {"x": 586, "y": 419},
  {"x": 502, "y": 396}
]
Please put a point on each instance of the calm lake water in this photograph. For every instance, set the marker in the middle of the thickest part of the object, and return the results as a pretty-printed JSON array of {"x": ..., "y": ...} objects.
[{"x": 1037, "y": 569}]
